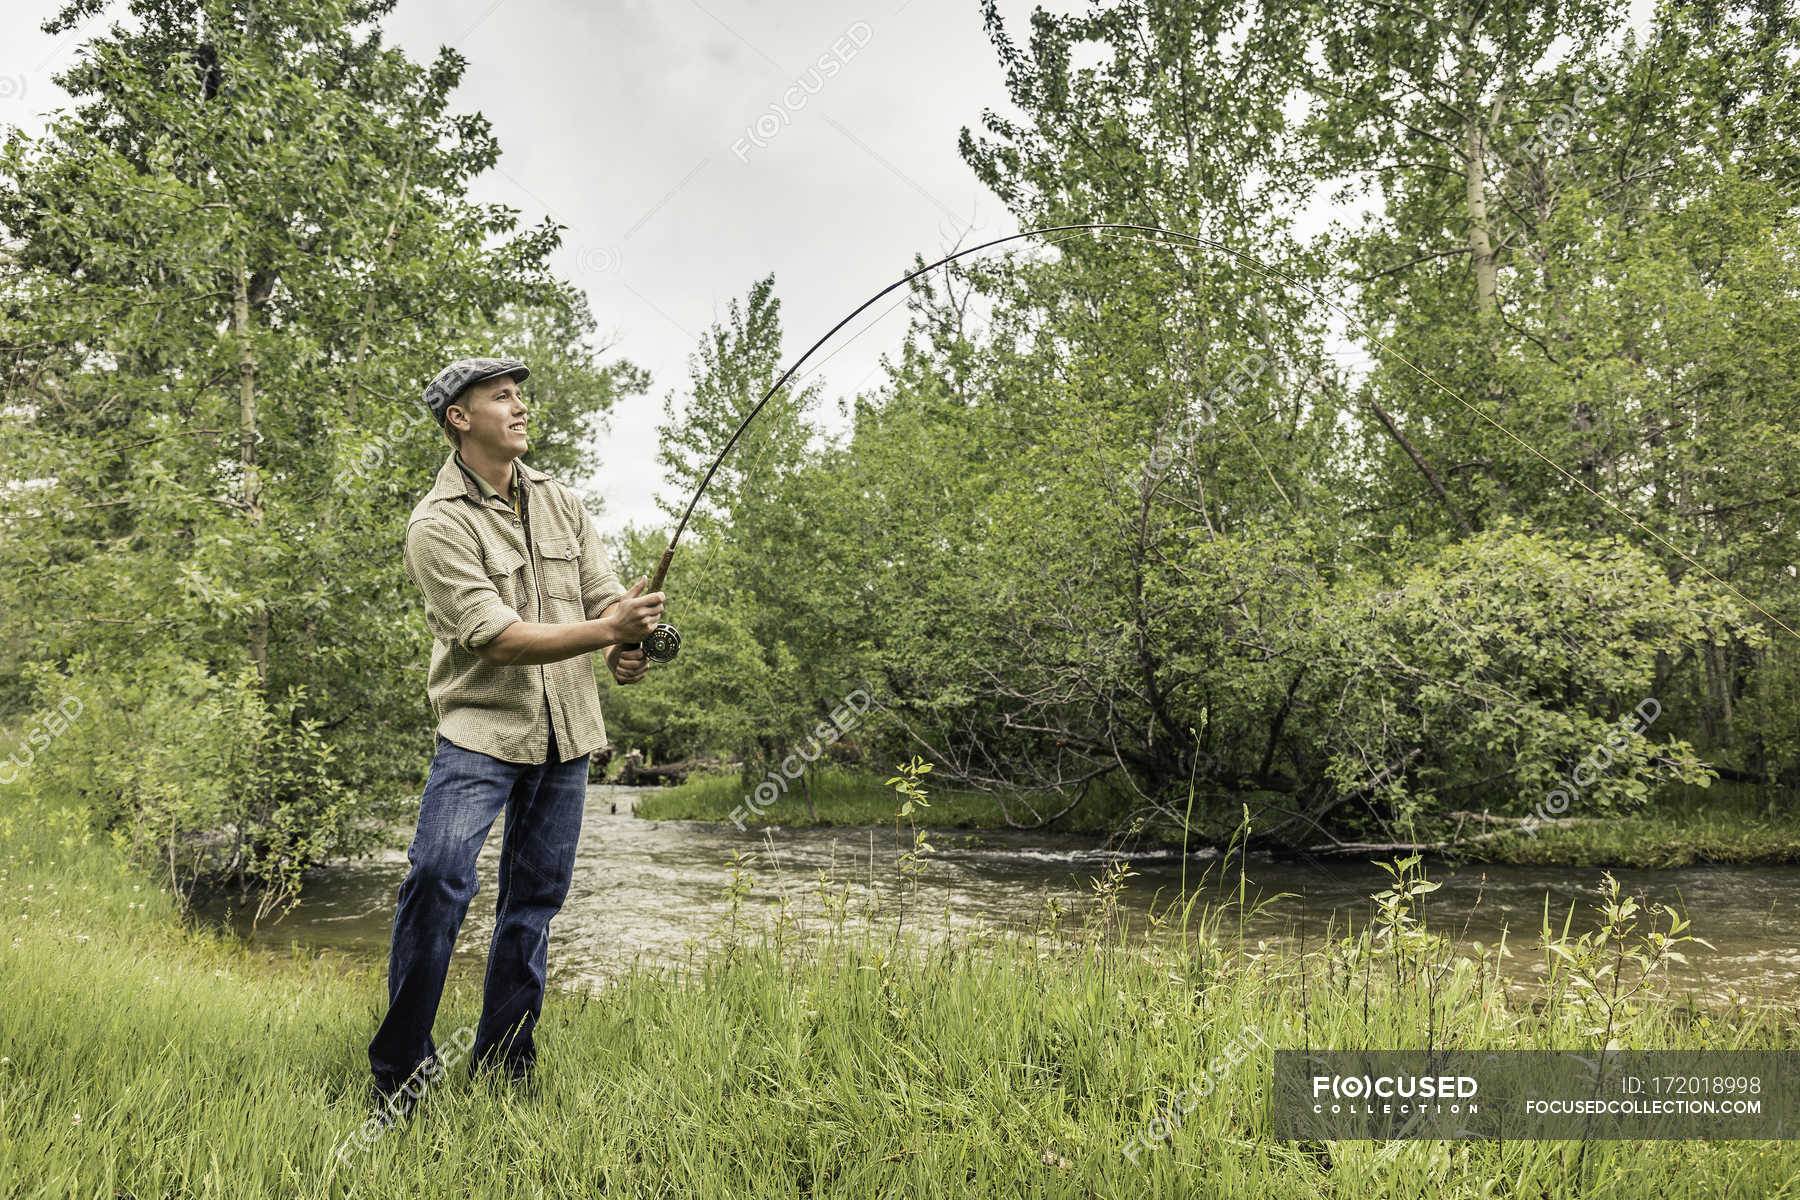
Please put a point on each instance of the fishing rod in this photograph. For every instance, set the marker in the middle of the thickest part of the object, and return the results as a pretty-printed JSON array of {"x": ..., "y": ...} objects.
[{"x": 664, "y": 642}]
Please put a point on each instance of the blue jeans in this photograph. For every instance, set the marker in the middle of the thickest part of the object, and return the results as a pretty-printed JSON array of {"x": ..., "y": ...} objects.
[{"x": 465, "y": 792}]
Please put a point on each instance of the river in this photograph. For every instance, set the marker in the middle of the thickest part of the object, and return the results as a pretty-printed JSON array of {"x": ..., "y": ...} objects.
[{"x": 655, "y": 891}]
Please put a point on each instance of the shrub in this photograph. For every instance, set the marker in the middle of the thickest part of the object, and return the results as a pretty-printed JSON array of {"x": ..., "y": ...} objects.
[{"x": 197, "y": 774}]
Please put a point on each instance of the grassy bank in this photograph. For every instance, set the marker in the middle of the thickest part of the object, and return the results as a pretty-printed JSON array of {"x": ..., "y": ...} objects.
[
  {"x": 1726, "y": 823},
  {"x": 829, "y": 1056}
]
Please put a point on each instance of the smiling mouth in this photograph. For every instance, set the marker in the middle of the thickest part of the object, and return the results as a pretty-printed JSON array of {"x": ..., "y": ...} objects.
[{"x": 517, "y": 428}]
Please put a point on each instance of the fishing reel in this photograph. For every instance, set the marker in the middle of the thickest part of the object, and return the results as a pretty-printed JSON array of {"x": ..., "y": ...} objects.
[{"x": 662, "y": 644}]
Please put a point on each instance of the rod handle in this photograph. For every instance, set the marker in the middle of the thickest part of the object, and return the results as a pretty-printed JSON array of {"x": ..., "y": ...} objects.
[{"x": 656, "y": 582}]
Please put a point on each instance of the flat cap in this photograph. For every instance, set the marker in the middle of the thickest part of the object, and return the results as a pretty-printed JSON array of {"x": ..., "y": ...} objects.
[{"x": 442, "y": 392}]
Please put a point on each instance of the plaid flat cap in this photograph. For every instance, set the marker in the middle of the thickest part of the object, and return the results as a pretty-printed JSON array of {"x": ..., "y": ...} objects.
[{"x": 442, "y": 392}]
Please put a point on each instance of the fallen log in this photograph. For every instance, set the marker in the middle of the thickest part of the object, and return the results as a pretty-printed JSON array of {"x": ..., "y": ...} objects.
[{"x": 633, "y": 772}]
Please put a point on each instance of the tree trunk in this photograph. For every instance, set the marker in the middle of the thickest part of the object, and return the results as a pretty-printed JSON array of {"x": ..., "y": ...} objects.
[
  {"x": 251, "y": 494},
  {"x": 1481, "y": 244}
]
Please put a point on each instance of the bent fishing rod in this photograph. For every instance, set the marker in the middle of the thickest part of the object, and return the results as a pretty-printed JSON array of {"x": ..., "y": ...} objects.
[{"x": 664, "y": 642}]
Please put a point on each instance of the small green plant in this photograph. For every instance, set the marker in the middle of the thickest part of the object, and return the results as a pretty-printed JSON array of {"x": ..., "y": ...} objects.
[
  {"x": 1605, "y": 970},
  {"x": 909, "y": 783},
  {"x": 1108, "y": 886},
  {"x": 833, "y": 901},
  {"x": 1397, "y": 929},
  {"x": 1396, "y": 937},
  {"x": 741, "y": 885},
  {"x": 909, "y": 786},
  {"x": 912, "y": 862},
  {"x": 1409, "y": 881}
]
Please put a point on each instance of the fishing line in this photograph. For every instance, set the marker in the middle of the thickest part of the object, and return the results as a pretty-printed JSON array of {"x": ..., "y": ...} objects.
[
  {"x": 1276, "y": 272},
  {"x": 795, "y": 385},
  {"x": 673, "y": 638},
  {"x": 824, "y": 362}
]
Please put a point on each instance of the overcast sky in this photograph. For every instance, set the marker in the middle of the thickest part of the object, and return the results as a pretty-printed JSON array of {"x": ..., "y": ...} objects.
[{"x": 693, "y": 146}]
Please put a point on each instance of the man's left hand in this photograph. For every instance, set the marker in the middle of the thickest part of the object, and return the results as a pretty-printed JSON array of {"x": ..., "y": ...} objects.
[{"x": 627, "y": 666}]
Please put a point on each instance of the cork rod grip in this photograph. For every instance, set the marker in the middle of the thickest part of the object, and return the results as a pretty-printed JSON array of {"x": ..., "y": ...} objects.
[{"x": 662, "y": 569}]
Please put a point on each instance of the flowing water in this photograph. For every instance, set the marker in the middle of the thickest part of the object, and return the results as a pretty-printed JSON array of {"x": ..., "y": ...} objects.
[{"x": 656, "y": 891}]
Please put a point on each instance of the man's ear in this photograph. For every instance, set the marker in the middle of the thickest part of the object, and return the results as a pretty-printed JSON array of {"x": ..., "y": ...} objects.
[{"x": 460, "y": 427}]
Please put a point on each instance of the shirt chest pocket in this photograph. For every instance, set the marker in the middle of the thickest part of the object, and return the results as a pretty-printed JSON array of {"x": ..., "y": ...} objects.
[
  {"x": 562, "y": 567},
  {"x": 506, "y": 570}
]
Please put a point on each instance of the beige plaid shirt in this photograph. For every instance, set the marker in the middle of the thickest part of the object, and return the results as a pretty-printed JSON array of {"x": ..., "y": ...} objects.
[{"x": 481, "y": 566}]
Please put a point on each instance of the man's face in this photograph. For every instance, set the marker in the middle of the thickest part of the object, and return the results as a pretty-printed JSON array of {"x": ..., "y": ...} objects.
[{"x": 491, "y": 416}]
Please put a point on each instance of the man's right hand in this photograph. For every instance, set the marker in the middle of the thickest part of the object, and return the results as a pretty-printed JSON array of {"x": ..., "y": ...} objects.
[
  {"x": 628, "y": 620},
  {"x": 635, "y": 616}
]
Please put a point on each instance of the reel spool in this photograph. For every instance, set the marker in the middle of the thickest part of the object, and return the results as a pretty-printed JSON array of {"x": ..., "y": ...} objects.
[{"x": 662, "y": 644}]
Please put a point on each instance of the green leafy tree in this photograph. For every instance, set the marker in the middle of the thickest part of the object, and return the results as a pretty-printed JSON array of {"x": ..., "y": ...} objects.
[
  {"x": 1091, "y": 504},
  {"x": 228, "y": 272},
  {"x": 762, "y": 661},
  {"x": 1587, "y": 237}
]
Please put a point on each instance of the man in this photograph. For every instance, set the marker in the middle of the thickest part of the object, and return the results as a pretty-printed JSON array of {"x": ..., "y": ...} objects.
[{"x": 518, "y": 593}]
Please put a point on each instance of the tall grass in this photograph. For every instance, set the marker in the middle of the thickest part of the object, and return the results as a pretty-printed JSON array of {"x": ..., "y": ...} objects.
[{"x": 820, "y": 1053}]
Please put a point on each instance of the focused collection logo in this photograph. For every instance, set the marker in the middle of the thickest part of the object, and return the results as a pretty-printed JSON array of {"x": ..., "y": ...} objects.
[{"x": 1362, "y": 1094}]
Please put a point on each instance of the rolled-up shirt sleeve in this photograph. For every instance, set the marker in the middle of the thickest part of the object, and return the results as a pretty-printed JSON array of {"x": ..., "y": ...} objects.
[
  {"x": 461, "y": 602},
  {"x": 600, "y": 585}
]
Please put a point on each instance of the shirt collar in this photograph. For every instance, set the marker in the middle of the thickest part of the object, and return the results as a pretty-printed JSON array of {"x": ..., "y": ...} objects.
[
  {"x": 478, "y": 489},
  {"x": 455, "y": 479}
]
